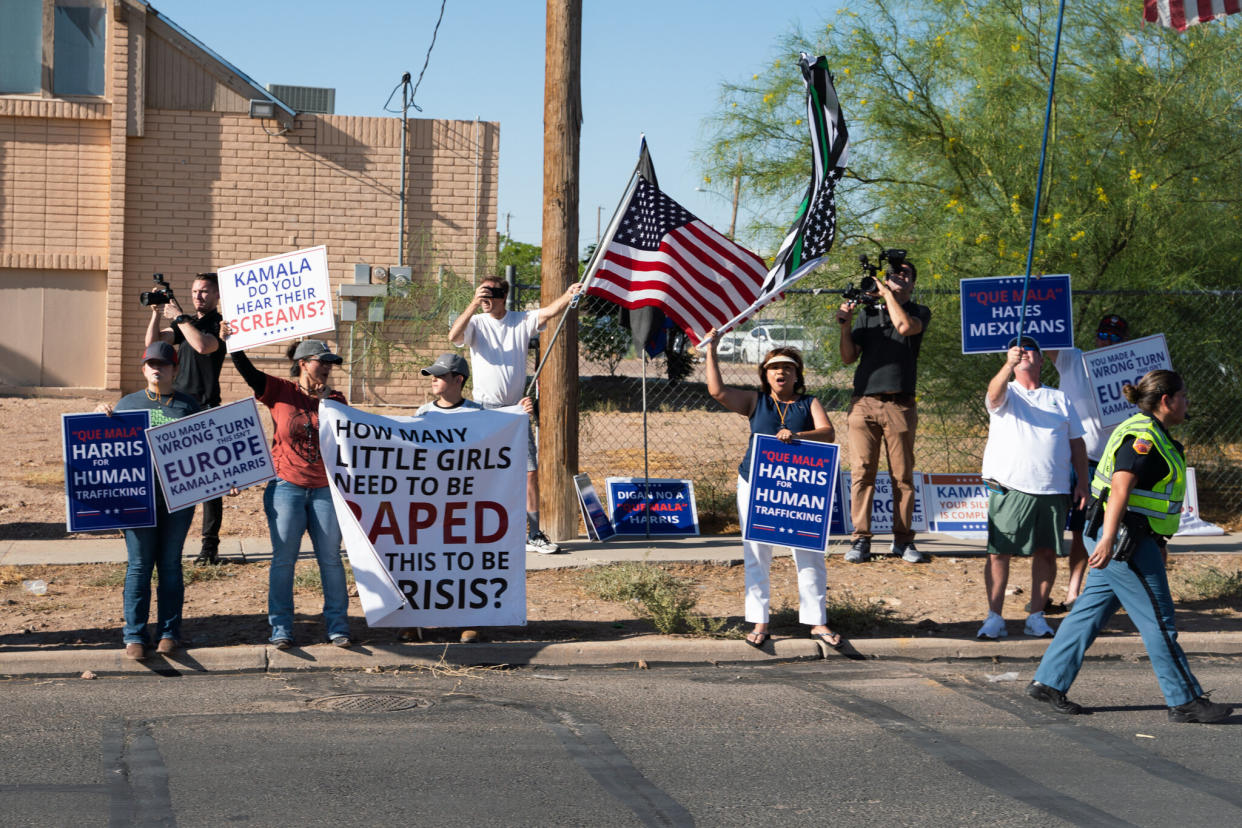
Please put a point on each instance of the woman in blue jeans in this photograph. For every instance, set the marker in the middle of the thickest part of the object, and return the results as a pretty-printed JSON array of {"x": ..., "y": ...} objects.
[
  {"x": 299, "y": 500},
  {"x": 159, "y": 546}
]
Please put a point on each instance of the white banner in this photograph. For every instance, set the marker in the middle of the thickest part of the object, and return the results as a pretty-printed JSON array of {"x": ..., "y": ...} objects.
[
  {"x": 1111, "y": 367},
  {"x": 202, "y": 456},
  {"x": 882, "y": 504},
  {"x": 277, "y": 299},
  {"x": 433, "y": 513}
]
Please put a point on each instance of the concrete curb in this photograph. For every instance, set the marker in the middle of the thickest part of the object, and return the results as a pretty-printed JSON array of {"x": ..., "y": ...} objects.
[{"x": 639, "y": 651}]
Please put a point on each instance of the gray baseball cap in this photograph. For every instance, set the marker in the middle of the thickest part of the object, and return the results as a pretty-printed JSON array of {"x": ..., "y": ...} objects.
[
  {"x": 447, "y": 364},
  {"x": 315, "y": 349}
]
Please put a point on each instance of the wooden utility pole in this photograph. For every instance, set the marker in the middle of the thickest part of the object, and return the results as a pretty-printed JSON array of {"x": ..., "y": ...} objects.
[{"x": 558, "y": 384}]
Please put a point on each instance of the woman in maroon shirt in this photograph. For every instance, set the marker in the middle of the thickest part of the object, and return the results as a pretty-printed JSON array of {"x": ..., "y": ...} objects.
[{"x": 299, "y": 500}]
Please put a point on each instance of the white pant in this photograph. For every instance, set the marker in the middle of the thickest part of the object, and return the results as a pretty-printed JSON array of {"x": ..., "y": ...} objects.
[{"x": 812, "y": 574}]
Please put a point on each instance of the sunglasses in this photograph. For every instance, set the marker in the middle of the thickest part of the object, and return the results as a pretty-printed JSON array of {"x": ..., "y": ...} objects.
[{"x": 1108, "y": 335}]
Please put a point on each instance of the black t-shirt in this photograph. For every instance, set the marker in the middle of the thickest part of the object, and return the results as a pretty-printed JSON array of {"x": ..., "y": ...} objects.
[
  {"x": 889, "y": 361},
  {"x": 199, "y": 374},
  {"x": 1146, "y": 462}
]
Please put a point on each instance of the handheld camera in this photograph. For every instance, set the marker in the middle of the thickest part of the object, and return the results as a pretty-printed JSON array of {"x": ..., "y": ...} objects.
[
  {"x": 868, "y": 292},
  {"x": 160, "y": 295}
]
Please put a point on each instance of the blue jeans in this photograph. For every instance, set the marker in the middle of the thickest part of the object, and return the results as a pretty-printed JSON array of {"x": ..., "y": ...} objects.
[
  {"x": 1142, "y": 587},
  {"x": 291, "y": 512},
  {"x": 155, "y": 547}
]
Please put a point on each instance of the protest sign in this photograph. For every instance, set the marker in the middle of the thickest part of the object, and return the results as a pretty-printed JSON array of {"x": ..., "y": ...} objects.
[
  {"x": 108, "y": 480},
  {"x": 1111, "y": 367},
  {"x": 992, "y": 306},
  {"x": 202, "y": 456},
  {"x": 598, "y": 527},
  {"x": 663, "y": 507},
  {"x": 1192, "y": 523},
  {"x": 791, "y": 492},
  {"x": 277, "y": 299},
  {"x": 433, "y": 513},
  {"x": 839, "y": 523},
  {"x": 957, "y": 504},
  {"x": 883, "y": 504}
]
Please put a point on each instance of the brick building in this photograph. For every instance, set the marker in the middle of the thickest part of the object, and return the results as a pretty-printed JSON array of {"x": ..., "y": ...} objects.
[{"x": 127, "y": 148}]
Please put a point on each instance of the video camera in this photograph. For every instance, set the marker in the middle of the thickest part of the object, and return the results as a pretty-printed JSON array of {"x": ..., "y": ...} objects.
[
  {"x": 868, "y": 291},
  {"x": 161, "y": 295}
]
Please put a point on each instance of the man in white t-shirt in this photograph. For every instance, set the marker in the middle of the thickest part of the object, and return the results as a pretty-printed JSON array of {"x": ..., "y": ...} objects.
[
  {"x": 1077, "y": 386},
  {"x": 498, "y": 342},
  {"x": 1034, "y": 440}
]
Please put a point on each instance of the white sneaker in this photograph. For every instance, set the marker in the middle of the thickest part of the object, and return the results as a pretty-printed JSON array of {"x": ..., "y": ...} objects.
[
  {"x": 1037, "y": 626},
  {"x": 908, "y": 552},
  {"x": 539, "y": 542},
  {"x": 993, "y": 627}
]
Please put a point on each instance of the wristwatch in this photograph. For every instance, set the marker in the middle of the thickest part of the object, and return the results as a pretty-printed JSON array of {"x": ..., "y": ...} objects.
[{"x": 185, "y": 317}]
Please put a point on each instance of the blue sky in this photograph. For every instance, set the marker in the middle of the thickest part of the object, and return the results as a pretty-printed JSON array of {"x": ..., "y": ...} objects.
[{"x": 652, "y": 66}]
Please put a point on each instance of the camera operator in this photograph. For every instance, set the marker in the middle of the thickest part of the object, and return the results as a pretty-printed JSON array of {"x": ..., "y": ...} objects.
[
  {"x": 200, "y": 357},
  {"x": 885, "y": 341}
]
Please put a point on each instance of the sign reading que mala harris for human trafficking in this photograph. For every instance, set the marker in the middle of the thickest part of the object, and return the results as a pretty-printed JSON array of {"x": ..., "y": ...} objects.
[
  {"x": 108, "y": 480},
  {"x": 791, "y": 492}
]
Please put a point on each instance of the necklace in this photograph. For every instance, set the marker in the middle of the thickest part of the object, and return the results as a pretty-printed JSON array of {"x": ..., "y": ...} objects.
[
  {"x": 160, "y": 402},
  {"x": 780, "y": 411}
]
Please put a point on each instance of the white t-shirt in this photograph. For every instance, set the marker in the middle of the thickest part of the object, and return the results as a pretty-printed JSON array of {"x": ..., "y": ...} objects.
[
  {"x": 1077, "y": 386},
  {"x": 1028, "y": 440},
  {"x": 498, "y": 354},
  {"x": 432, "y": 408}
]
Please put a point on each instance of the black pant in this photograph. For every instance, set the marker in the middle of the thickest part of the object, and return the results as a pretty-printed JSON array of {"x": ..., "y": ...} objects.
[{"x": 213, "y": 516}]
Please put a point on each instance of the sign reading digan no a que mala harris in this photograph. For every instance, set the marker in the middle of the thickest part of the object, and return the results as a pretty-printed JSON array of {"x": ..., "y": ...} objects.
[{"x": 277, "y": 299}]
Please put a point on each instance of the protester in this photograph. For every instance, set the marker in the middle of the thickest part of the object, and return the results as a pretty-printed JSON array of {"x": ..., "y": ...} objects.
[
  {"x": 1136, "y": 506},
  {"x": 199, "y": 360},
  {"x": 448, "y": 380},
  {"x": 885, "y": 341},
  {"x": 299, "y": 500},
  {"x": 1034, "y": 439},
  {"x": 155, "y": 547},
  {"x": 782, "y": 409},
  {"x": 1077, "y": 386},
  {"x": 498, "y": 342}
]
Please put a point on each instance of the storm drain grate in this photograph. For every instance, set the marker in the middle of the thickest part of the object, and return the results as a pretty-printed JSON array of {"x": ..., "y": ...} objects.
[{"x": 368, "y": 703}]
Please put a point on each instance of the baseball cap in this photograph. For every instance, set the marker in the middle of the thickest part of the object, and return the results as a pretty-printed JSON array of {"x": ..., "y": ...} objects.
[
  {"x": 1114, "y": 324},
  {"x": 160, "y": 352},
  {"x": 315, "y": 349},
  {"x": 447, "y": 364},
  {"x": 1028, "y": 343}
]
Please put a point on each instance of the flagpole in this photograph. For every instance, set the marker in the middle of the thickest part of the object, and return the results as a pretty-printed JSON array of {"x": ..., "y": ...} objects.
[
  {"x": 1039, "y": 179},
  {"x": 593, "y": 266}
]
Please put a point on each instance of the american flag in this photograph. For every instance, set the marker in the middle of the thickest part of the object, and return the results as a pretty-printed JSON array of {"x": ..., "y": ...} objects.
[
  {"x": 660, "y": 255},
  {"x": 814, "y": 228},
  {"x": 1181, "y": 14}
]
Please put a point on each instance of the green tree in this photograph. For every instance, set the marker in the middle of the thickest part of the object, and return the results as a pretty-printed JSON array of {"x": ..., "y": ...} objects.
[{"x": 527, "y": 258}]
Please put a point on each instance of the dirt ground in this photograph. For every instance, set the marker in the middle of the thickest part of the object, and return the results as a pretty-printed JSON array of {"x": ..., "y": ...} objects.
[{"x": 227, "y": 604}]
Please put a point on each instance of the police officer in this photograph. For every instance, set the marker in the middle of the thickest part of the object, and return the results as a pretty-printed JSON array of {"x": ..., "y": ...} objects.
[{"x": 1136, "y": 505}]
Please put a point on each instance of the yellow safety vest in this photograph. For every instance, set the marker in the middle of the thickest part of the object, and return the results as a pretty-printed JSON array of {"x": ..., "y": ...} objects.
[{"x": 1162, "y": 504}]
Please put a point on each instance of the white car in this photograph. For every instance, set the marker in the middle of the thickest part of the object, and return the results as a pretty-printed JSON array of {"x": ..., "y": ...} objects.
[
  {"x": 768, "y": 335},
  {"x": 729, "y": 347}
]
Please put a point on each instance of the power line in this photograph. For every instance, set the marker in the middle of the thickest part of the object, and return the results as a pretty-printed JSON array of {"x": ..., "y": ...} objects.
[{"x": 405, "y": 79}]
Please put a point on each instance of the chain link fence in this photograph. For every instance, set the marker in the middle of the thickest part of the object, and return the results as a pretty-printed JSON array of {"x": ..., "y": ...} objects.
[{"x": 686, "y": 434}]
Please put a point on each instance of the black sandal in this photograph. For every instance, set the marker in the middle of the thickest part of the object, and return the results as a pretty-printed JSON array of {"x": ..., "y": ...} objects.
[
  {"x": 827, "y": 638},
  {"x": 764, "y": 637}
]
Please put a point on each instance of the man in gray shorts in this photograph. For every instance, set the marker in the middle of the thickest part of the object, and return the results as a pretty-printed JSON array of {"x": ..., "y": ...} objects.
[{"x": 1034, "y": 439}]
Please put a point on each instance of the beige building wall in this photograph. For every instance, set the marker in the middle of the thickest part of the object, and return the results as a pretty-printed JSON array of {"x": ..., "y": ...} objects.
[{"x": 170, "y": 175}]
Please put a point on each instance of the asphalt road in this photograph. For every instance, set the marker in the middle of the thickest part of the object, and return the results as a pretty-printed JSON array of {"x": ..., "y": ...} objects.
[{"x": 813, "y": 743}]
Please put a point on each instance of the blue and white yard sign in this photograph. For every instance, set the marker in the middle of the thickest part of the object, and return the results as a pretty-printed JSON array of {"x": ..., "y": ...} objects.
[
  {"x": 667, "y": 506},
  {"x": 792, "y": 487},
  {"x": 957, "y": 504},
  {"x": 884, "y": 504},
  {"x": 108, "y": 478},
  {"x": 992, "y": 306},
  {"x": 598, "y": 526}
]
